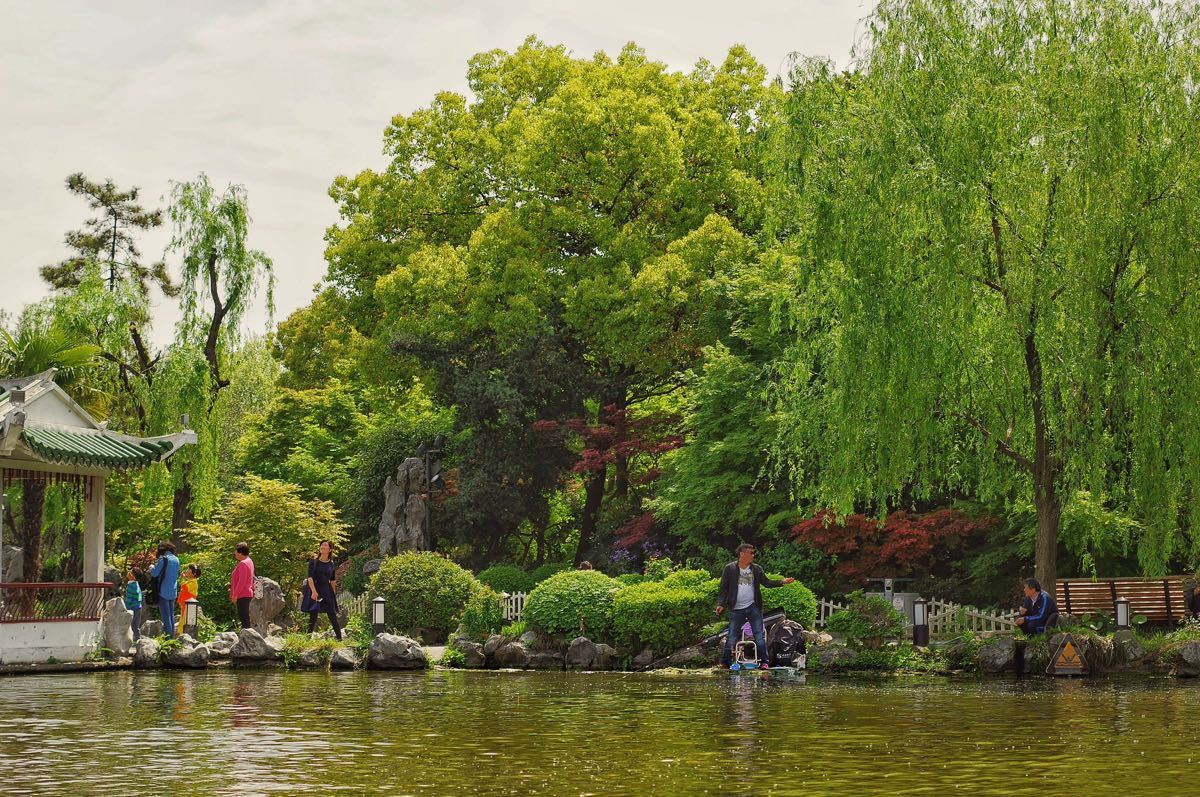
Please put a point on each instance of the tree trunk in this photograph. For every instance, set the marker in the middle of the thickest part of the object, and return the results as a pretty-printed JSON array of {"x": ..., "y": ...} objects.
[
  {"x": 1045, "y": 467},
  {"x": 1046, "y": 549},
  {"x": 591, "y": 512},
  {"x": 181, "y": 515},
  {"x": 621, "y": 460},
  {"x": 33, "y": 496}
]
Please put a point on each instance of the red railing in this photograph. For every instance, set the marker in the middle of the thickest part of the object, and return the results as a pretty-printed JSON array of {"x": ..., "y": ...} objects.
[{"x": 50, "y": 602}]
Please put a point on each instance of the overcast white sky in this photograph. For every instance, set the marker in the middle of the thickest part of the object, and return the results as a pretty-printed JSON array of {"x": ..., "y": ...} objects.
[{"x": 284, "y": 95}]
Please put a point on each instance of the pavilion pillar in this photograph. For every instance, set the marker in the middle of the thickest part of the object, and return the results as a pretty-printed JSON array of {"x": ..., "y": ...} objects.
[{"x": 93, "y": 533}]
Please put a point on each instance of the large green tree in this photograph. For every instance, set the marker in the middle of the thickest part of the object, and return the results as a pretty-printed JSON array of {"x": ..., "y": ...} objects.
[{"x": 999, "y": 208}]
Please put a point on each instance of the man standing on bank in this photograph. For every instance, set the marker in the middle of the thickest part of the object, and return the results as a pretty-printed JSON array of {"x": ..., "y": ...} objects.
[
  {"x": 740, "y": 594},
  {"x": 166, "y": 573},
  {"x": 241, "y": 583}
]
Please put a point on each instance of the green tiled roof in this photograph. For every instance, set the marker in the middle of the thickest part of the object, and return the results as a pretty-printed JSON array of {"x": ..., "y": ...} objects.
[{"x": 103, "y": 449}]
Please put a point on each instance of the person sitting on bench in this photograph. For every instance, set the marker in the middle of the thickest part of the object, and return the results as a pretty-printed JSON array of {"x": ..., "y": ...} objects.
[{"x": 1039, "y": 609}]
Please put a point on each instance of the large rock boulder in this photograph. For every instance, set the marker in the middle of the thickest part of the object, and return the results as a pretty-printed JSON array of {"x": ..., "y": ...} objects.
[
  {"x": 402, "y": 524},
  {"x": 996, "y": 655},
  {"x": 1128, "y": 649},
  {"x": 690, "y": 657},
  {"x": 545, "y": 660},
  {"x": 344, "y": 659},
  {"x": 194, "y": 656},
  {"x": 643, "y": 659},
  {"x": 606, "y": 658},
  {"x": 831, "y": 657},
  {"x": 1186, "y": 663},
  {"x": 581, "y": 654},
  {"x": 146, "y": 653},
  {"x": 473, "y": 657},
  {"x": 253, "y": 646},
  {"x": 493, "y": 643},
  {"x": 116, "y": 628},
  {"x": 512, "y": 655},
  {"x": 265, "y": 609},
  {"x": 152, "y": 628},
  {"x": 223, "y": 643},
  {"x": 391, "y": 652},
  {"x": 816, "y": 637},
  {"x": 14, "y": 562}
]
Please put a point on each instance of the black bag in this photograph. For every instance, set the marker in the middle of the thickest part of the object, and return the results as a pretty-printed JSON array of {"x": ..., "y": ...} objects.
[
  {"x": 787, "y": 643},
  {"x": 153, "y": 587}
]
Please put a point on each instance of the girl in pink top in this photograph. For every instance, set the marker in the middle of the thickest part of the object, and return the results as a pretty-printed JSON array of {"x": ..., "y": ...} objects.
[{"x": 241, "y": 585}]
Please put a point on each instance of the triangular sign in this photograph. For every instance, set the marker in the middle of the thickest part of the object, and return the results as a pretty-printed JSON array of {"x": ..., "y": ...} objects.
[{"x": 1067, "y": 660}]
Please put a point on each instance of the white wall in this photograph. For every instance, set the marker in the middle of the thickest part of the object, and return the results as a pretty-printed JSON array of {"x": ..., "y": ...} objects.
[{"x": 23, "y": 643}]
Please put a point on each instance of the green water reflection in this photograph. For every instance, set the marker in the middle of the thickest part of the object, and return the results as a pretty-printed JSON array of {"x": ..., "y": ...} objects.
[{"x": 246, "y": 733}]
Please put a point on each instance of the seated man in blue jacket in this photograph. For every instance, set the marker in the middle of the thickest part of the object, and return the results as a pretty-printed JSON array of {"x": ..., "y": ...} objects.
[
  {"x": 741, "y": 596},
  {"x": 1038, "y": 609}
]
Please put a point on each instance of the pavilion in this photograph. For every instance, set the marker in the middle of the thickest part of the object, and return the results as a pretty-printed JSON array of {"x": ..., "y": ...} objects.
[{"x": 47, "y": 438}]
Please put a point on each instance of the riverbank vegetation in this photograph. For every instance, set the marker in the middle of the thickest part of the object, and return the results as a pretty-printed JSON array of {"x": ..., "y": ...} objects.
[{"x": 928, "y": 314}]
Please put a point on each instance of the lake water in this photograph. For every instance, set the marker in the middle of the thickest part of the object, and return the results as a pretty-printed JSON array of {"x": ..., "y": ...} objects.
[{"x": 440, "y": 732}]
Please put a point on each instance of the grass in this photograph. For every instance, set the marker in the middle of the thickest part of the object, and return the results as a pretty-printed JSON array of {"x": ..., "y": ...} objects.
[{"x": 296, "y": 645}]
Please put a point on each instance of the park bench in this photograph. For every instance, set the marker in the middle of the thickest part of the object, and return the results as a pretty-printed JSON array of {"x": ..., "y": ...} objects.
[{"x": 1162, "y": 601}]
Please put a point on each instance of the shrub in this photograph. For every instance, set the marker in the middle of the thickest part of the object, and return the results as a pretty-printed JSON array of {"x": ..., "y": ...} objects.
[
  {"x": 658, "y": 568},
  {"x": 359, "y": 634},
  {"x": 795, "y": 599},
  {"x": 543, "y": 572},
  {"x": 483, "y": 614},
  {"x": 294, "y": 645},
  {"x": 514, "y": 630},
  {"x": 506, "y": 578},
  {"x": 425, "y": 593},
  {"x": 556, "y": 605},
  {"x": 866, "y": 618},
  {"x": 663, "y": 616},
  {"x": 694, "y": 579},
  {"x": 627, "y": 579},
  {"x": 453, "y": 657}
]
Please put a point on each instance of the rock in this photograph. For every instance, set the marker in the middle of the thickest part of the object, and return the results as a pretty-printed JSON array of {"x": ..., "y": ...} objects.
[
  {"x": 252, "y": 645},
  {"x": 344, "y": 659},
  {"x": 831, "y": 657},
  {"x": 606, "y": 658},
  {"x": 581, "y": 654},
  {"x": 309, "y": 659},
  {"x": 265, "y": 609},
  {"x": 545, "y": 660},
  {"x": 192, "y": 656},
  {"x": 817, "y": 638},
  {"x": 512, "y": 654},
  {"x": 124, "y": 661},
  {"x": 111, "y": 576},
  {"x": 529, "y": 639},
  {"x": 391, "y": 652},
  {"x": 223, "y": 642},
  {"x": 402, "y": 524},
  {"x": 493, "y": 643},
  {"x": 689, "y": 657},
  {"x": 146, "y": 653},
  {"x": 371, "y": 566},
  {"x": 643, "y": 659},
  {"x": 472, "y": 654},
  {"x": 116, "y": 629},
  {"x": 1187, "y": 660},
  {"x": 152, "y": 628},
  {"x": 996, "y": 655},
  {"x": 1128, "y": 648},
  {"x": 14, "y": 563}
]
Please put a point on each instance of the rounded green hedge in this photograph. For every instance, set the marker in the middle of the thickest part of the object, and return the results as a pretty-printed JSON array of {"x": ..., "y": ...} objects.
[
  {"x": 795, "y": 599},
  {"x": 663, "y": 616},
  {"x": 506, "y": 578},
  {"x": 543, "y": 572},
  {"x": 483, "y": 615},
  {"x": 425, "y": 594},
  {"x": 555, "y": 605}
]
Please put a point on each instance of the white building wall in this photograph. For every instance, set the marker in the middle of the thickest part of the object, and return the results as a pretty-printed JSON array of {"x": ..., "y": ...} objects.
[{"x": 26, "y": 643}]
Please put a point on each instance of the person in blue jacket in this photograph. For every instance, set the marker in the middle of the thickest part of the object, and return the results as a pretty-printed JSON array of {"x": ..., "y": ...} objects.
[
  {"x": 1038, "y": 609},
  {"x": 166, "y": 571}
]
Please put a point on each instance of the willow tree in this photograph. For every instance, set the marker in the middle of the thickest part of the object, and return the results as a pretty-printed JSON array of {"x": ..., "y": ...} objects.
[
  {"x": 220, "y": 278},
  {"x": 999, "y": 203}
]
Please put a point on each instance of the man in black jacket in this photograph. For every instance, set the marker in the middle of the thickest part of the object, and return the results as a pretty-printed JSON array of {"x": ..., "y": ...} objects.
[{"x": 740, "y": 594}]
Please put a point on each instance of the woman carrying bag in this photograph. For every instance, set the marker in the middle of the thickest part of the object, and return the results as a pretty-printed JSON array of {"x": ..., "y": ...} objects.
[{"x": 318, "y": 589}]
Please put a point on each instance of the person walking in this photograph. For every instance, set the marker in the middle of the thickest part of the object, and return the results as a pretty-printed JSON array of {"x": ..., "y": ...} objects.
[
  {"x": 133, "y": 600},
  {"x": 241, "y": 583},
  {"x": 189, "y": 588},
  {"x": 166, "y": 573},
  {"x": 741, "y": 596},
  {"x": 319, "y": 595}
]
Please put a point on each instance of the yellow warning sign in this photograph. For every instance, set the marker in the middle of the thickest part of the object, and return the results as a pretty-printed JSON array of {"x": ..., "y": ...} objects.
[{"x": 1067, "y": 660}]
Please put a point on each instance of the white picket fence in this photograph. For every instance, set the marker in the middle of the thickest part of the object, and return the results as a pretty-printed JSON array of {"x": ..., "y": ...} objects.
[
  {"x": 358, "y": 605},
  {"x": 946, "y": 619},
  {"x": 513, "y": 605}
]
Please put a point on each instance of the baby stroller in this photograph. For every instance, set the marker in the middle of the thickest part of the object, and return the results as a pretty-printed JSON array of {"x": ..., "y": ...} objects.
[{"x": 745, "y": 652}]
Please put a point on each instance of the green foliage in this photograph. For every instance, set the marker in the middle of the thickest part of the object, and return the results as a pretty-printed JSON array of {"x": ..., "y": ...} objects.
[
  {"x": 295, "y": 645},
  {"x": 514, "y": 630},
  {"x": 483, "y": 615},
  {"x": 281, "y": 526},
  {"x": 961, "y": 651},
  {"x": 562, "y": 602},
  {"x": 206, "y": 628},
  {"x": 866, "y": 617},
  {"x": 453, "y": 657},
  {"x": 657, "y": 568},
  {"x": 507, "y": 578},
  {"x": 796, "y": 600},
  {"x": 425, "y": 593},
  {"x": 358, "y": 634},
  {"x": 543, "y": 572},
  {"x": 801, "y": 562},
  {"x": 663, "y": 615},
  {"x": 626, "y": 579}
]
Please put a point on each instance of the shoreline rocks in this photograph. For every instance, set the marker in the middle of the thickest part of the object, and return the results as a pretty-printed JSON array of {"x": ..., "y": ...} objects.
[{"x": 391, "y": 652}]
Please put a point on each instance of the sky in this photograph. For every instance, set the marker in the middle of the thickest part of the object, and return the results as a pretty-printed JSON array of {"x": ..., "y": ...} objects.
[{"x": 282, "y": 96}]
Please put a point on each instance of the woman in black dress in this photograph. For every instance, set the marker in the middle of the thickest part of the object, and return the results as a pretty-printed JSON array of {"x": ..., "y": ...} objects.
[{"x": 318, "y": 589}]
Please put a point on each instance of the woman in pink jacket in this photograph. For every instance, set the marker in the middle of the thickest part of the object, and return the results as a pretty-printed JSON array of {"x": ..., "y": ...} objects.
[{"x": 241, "y": 584}]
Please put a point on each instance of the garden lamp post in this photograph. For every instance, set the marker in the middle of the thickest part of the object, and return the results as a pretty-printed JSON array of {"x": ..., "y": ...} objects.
[
  {"x": 191, "y": 617},
  {"x": 377, "y": 615},
  {"x": 1122, "y": 610},
  {"x": 921, "y": 623}
]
